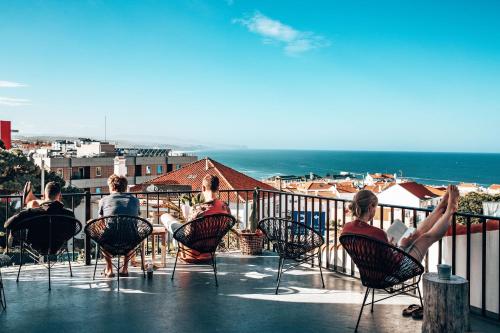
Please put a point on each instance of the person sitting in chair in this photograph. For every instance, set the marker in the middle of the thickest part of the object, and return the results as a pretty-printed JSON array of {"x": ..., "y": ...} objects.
[
  {"x": 51, "y": 204},
  {"x": 429, "y": 231},
  {"x": 211, "y": 206},
  {"x": 118, "y": 203}
]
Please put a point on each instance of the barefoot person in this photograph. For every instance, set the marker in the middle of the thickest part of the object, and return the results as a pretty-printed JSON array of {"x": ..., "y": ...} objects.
[
  {"x": 429, "y": 231},
  {"x": 50, "y": 204},
  {"x": 118, "y": 203}
]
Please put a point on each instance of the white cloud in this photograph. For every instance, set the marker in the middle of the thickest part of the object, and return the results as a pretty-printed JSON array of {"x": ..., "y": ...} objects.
[
  {"x": 10, "y": 84},
  {"x": 294, "y": 41},
  {"x": 10, "y": 101}
]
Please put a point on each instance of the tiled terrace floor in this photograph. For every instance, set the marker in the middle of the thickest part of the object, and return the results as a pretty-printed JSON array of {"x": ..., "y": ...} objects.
[{"x": 244, "y": 301}]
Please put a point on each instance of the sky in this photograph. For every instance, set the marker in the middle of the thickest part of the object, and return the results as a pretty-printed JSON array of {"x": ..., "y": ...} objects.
[{"x": 349, "y": 75}]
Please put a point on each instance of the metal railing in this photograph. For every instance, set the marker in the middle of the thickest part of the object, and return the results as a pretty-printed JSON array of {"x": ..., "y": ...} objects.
[{"x": 326, "y": 215}]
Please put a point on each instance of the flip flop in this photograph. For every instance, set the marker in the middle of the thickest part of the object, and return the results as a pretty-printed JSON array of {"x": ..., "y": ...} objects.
[
  {"x": 418, "y": 314},
  {"x": 410, "y": 309}
]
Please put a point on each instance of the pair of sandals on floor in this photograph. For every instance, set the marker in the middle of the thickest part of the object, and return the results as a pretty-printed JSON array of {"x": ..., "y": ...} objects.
[{"x": 415, "y": 311}]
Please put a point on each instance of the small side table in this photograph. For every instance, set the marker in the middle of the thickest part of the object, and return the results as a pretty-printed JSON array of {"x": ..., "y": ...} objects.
[
  {"x": 446, "y": 304},
  {"x": 161, "y": 232}
]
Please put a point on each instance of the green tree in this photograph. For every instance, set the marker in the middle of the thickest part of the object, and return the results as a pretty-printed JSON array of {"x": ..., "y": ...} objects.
[
  {"x": 472, "y": 203},
  {"x": 16, "y": 169}
]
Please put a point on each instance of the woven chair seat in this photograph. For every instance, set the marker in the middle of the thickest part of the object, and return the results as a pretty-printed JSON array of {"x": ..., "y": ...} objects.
[
  {"x": 205, "y": 234},
  {"x": 291, "y": 239},
  {"x": 118, "y": 234},
  {"x": 380, "y": 264},
  {"x": 5, "y": 260},
  {"x": 47, "y": 234}
]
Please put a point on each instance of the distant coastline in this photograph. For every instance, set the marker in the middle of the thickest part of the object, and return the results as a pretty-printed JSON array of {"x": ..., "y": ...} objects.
[{"x": 432, "y": 168}]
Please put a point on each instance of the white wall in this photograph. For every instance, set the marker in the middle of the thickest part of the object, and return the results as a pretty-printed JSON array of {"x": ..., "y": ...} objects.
[{"x": 397, "y": 195}]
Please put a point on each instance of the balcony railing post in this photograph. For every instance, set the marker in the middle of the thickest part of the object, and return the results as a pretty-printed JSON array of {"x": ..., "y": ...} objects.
[
  {"x": 255, "y": 207},
  {"x": 88, "y": 216}
]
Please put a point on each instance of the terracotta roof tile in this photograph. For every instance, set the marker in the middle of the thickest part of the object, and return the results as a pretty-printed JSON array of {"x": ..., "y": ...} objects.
[
  {"x": 192, "y": 175},
  {"x": 418, "y": 190}
]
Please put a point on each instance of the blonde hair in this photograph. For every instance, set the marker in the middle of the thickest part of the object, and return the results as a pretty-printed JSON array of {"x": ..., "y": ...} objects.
[{"x": 362, "y": 202}]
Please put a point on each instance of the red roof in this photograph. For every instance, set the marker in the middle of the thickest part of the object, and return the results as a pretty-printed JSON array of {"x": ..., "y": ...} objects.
[
  {"x": 192, "y": 175},
  {"x": 318, "y": 186},
  {"x": 418, "y": 190}
]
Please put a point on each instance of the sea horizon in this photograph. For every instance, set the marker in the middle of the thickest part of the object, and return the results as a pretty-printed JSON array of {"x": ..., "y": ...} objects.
[{"x": 432, "y": 168}]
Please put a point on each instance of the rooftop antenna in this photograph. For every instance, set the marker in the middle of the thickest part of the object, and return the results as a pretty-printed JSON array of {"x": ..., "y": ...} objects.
[{"x": 105, "y": 130}]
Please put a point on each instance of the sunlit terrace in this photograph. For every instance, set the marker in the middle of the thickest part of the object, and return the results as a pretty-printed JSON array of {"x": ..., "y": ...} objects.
[{"x": 245, "y": 300}]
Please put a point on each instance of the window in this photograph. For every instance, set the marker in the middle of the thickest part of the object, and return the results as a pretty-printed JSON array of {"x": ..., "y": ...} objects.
[
  {"x": 159, "y": 169},
  {"x": 148, "y": 169},
  {"x": 60, "y": 172},
  {"x": 98, "y": 190},
  {"x": 98, "y": 171},
  {"x": 178, "y": 166}
]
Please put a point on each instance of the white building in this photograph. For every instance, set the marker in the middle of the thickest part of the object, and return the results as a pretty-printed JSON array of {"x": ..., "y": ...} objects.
[{"x": 409, "y": 194}]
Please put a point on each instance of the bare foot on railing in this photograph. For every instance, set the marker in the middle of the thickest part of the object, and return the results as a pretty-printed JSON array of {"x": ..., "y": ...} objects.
[
  {"x": 453, "y": 197},
  {"x": 441, "y": 207}
]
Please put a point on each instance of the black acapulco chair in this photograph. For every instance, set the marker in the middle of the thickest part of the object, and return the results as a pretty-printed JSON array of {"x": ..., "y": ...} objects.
[
  {"x": 203, "y": 235},
  {"x": 382, "y": 266},
  {"x": 293, "y": 241},
  {"x": 5, "y": 260},
  {"x": 47, "y": 235},
  {"x": 118, "y": 235}
]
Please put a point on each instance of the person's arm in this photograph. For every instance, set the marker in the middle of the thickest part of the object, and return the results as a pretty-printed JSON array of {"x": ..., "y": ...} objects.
[
  {"x": 226, "y": 208},
  {"x": 100, "y": 209}
]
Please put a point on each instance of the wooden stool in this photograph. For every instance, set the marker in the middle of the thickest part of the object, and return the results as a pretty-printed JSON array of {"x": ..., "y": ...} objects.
[
  {"x": 446, "y": 304},
  {"x": 161, "y": 232}
]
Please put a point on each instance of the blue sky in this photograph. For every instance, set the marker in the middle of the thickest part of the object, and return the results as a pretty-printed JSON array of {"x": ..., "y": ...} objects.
[{"x": 354, "y": 75}]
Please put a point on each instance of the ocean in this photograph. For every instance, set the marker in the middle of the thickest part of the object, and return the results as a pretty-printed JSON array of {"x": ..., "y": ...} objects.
[{"x": 427, "y": 168}]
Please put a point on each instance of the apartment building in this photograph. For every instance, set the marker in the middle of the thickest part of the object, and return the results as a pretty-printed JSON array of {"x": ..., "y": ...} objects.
[{"x": 93, "y": 162}]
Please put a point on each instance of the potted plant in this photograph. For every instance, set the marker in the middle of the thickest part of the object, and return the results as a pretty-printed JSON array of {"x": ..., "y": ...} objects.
[{"x": 252, "y": 240}]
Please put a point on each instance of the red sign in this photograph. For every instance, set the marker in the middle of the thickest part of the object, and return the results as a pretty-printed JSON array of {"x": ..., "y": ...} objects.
[{"x": 5, "y": 133}]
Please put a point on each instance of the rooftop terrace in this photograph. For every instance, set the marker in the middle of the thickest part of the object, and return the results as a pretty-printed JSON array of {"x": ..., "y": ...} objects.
[{"x": 244, "y": 302}]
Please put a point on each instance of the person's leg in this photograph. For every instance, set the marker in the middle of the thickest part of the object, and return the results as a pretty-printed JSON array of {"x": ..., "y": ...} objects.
[
  {"x": 124, "y": 268},
  {"x": 439, "y": 229},
  {"x": 170, "y": 222},
  {"x": 108, "y": 271},
  {"x": 429, "y": 221}
]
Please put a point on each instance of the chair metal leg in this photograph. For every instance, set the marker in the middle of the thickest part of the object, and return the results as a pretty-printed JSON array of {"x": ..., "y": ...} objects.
[
  {"x": 320, "y": 269},
  {"x": 362, "y": 306},
  {"x": 420, "y": 297},
  {"x": 48, "y": 260},
  {"x": 373, "y": 299},
  {"x": 3, "y": 302},
  {"x": 280, "y": 272},
  {"x": 20, "y": 262},
  {"x": 118, "y": 271},
  {"x": 279, "y": 269},
  {"x": 142, "y": 261},
  {"x": 175, "y": 265},
  {"x": 214, "y": 266},
  {"x": 69, "y": 262},
  {"x": 97, "y": 251}
]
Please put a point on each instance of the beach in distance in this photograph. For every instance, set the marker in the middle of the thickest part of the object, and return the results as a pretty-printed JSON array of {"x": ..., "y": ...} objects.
[{"x": 428, "y": 168}]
